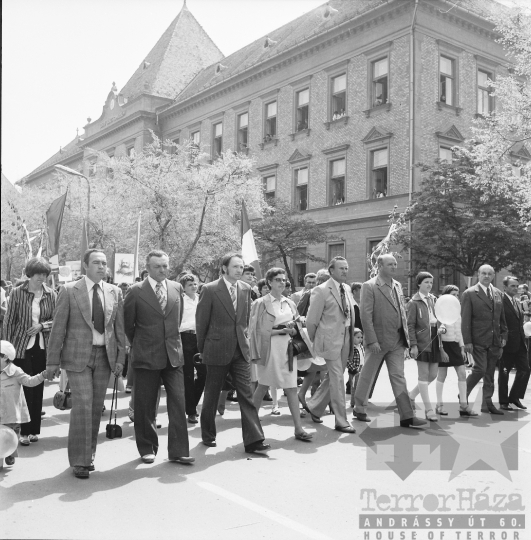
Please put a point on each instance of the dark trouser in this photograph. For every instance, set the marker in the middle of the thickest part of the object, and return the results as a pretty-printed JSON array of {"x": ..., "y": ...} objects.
[
  {"x": 193, "y": 386},
  {"x": 509, "y": 360},
  {"x": 240, "y": 371},
  {"x": 485, "y": 359},
  {"x": 147, "y": 384},
  {"x": 33, "y": 363}
]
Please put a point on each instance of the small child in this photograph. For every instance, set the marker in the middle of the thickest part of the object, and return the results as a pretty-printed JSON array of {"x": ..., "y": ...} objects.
[
  {"x": 354, "y": 366},
  {"x": 13, "y": 408}
]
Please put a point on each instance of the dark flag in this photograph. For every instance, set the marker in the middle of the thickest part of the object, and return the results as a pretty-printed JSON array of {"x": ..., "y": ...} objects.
[{"x": 54, "y": 220}]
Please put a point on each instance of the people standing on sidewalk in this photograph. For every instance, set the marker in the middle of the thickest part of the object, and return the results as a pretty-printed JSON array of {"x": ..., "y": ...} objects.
[
  {"x": 484, "y": 332},
  {"x": 88, "y": 341},
  {"x": 385, "y": 337},
  {"x": 153, "y": 312},
  {"x": 28, "y": 322}
]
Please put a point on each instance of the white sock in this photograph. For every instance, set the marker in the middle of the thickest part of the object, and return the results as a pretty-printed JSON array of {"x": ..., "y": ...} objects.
[
  {"x": 439, "y": 385},
  {"x": 462, "y": 391},
  {"x": 425, "y": 394},
  {"x": 274, "y": 395},
  {"x": 414, "y": 393}
]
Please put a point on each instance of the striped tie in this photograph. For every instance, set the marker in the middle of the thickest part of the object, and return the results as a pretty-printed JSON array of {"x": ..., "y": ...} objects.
[
  {"x": 233, "y": 296},
  {"x": 160, "y": 296}
]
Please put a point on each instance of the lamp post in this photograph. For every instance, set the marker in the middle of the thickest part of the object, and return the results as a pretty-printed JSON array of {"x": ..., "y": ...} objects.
[{"x": 73, "y": 172}]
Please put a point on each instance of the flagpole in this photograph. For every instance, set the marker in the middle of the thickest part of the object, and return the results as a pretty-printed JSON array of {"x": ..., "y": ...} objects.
[{"x": 137, "y": 244}]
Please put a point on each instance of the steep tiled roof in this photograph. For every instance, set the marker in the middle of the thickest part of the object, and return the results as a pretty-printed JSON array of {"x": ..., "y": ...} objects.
[
  {"x": 179, "y": 55},
  {"x": 70, "y": 149},
  {"x": 305, "y": 27}
]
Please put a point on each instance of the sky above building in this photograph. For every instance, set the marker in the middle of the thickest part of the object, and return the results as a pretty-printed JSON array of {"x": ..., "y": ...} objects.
[{"x": 60, "y": 58}]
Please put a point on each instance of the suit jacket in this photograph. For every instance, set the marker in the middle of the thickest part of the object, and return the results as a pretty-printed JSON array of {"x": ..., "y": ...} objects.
[
  {"x": 378, "y": 313},
  {"x": 70, "y": 343},
  {"x": 483, "y": 323},
  {"x": 153, "y": 333},
  {"x": 326, "y": 320},
  {"x": 515, "y": 326},
  {"x": 219, "y": 328},
  {"x": 418, "y": 320}
]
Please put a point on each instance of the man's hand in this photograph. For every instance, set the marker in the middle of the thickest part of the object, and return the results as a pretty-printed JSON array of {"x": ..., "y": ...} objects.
[
  {"x": 414, "y": 351},
  {"x": 118, "y": 369},
  {"x": 469, "y": 348},
  {"x": 35, "y": 329},
  {"x": 52, "y": 372},
  {"x": 503, "y": 342},
  {"x": 374, "y": 347}
]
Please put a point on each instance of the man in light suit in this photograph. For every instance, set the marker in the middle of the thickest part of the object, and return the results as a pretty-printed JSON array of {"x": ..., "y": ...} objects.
[
  {"x": 88, "y": 341},
  {"x": 515, "y": 350},
  {"x": 153, "y": 311},
  {"x": 386, "y": 337},
  {"x": 330, "y": 324},
  {"x": 222, "y": 320},
  {"x": 484, "y": 333}
]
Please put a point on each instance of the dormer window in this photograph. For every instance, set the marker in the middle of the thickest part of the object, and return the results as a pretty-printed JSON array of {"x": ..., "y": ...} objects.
[
  {"x": 220, "y": 67},
  {"x": 328, "y": 12},
  {"x": 269, "y": 43}
]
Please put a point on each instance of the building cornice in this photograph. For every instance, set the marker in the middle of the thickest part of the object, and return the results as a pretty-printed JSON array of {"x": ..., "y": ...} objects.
[{"x": 49, "y": 168}]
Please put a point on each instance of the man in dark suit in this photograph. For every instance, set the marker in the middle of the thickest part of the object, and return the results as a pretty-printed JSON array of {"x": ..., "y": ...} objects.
[
  {"x": 153, "y": 311},
  {"x": 222, "y": 318},
  {"x": 514, "y": 352},
  {"x": 484, "y": 333},
  {"x": 88, "y": 341}
]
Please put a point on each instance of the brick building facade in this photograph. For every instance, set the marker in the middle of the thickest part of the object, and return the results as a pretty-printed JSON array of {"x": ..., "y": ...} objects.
[{"x": 335, "y": 107}]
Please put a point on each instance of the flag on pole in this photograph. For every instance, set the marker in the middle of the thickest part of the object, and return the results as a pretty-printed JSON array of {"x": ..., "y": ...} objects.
[
  {"x": 84, "y": 245},
  {"x": 54, "y": 221},
  {"x": 137, "y": 244},
  {"x": 249, "y": 253}
]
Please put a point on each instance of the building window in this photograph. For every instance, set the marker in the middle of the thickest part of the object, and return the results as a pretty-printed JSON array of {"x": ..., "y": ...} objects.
[
  {"x": 446, "y": 80},
  {"x": 338, "y": 105},
  {"x": 379, "y": 173},
  {"x": 130, "y": 151},
  {"x": 269, "y": 183},
  {"x": 271, "y": 121},
  {"x": 303, "y": 109},
  {"x": 300, "y": 272},
  {"x": 517, "y": 170},
  {"x": 380, "y": 81},
  {"x": 336, "y": 250},
  {"x": 243, "y": 132},
  {"x": 92, "y": 168},
  {"x": 196, "y": 138},
  {"x": 337, "y": 181},
  {"x": 445, "y": 154},
  {"x": 217, "y": 132},
  {"x": 301, "y": 188},
  {"x": 485, "y": 100}
]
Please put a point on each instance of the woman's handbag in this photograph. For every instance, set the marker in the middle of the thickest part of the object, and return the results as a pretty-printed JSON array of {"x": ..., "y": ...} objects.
[
  {"x": 62, "y": 399},
  {"x": 113, "y": 431}
]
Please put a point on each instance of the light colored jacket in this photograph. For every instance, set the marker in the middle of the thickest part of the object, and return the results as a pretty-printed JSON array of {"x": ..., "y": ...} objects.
[
  {"x": 453, "y": 333},
  {"x": 261, "y": 326},
  {"x": 13, "y": 407},
  {"x": 326, "y": 320},
  {"x": 70, "y": 343}
]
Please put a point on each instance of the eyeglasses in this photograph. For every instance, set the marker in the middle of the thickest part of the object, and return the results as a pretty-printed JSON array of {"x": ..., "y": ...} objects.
[{"x": 280, "y": 280}]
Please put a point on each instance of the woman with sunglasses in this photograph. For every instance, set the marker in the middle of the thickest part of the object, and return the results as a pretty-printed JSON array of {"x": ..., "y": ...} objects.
[{"x": 270, "y": 328}]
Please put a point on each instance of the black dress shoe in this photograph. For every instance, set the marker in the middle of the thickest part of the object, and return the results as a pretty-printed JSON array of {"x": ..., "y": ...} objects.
[
  {"x": 257, "y": 447},
  {"x": 267, "y": 397},
  {"x": 518, "y": 404},
  {"x": 81, "y": 472},
  {"x": 345, "y": 429},
  {"x": 362, "y": 417},
  {"x": 506, "y": 407},
  {"x": 192, "y": 418},
  {"x": 491, "y": 409},
  {"x": 91, "y": 467},
  {"x": 210, "y": 443}
]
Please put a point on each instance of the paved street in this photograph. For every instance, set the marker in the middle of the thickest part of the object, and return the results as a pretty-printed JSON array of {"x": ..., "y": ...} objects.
[{"x": 302, "y": 490}]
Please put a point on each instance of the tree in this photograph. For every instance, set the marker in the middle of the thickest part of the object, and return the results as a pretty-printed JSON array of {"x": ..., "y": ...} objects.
[
  {"x": 458, "y": 224},
  {"x": 499, "y": 135},
  {"x": 285, "y": 233}
]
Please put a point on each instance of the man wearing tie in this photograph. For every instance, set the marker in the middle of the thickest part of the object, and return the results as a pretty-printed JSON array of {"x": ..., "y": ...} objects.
[
  {"x": 88, "y": 341},
  {"x": 514, "y": 352},
  {"x": 484, "y": 333},
  {"x": 153, "y": 312},
  {"x": 330, "y": 327},
  {"x": 222, "y": 319}
]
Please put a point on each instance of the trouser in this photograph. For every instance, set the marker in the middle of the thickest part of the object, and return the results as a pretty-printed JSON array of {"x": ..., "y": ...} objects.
[
  {"x": 88, "y": 394},
  {"x": 193, "y": 386},
  {"x": 485, "y": 359},
  {"x": 146, "y": 389},
  {"x": 394, "y": 360},
  {"x": 332, "y": 387},
  {"x": 33, "y": 363},
  {"x": 240, "y": 372},
  {"x": 519, "y": 361}
]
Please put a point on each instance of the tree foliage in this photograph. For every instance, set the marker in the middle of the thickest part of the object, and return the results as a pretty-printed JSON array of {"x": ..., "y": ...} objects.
[
  {"x": 457, "y": 224},
  {"x": 285, "y": 233}
]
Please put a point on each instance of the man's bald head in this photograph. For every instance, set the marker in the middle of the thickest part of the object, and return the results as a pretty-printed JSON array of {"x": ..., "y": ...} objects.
[
  {"x": 386, "y": 265},
  {"x": 485, "y": 267},
  {"x": 486, "y": 274}
]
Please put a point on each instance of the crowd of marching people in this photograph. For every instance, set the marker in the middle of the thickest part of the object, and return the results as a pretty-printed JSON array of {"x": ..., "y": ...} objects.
[{"x": 245, "y": 339}]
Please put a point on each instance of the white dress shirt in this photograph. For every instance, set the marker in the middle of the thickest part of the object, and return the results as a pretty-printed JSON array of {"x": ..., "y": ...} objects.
[
  {"x": 154, "y": 284},
  {"x": 35, "y": 315},
  {"x": 485, "y": 290},
  {"x": 229, "y": 285},
  {"x": 189, "y": 309},
  {"x": 338, "y": 287},
  {"x": 97, "y": 338}
]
